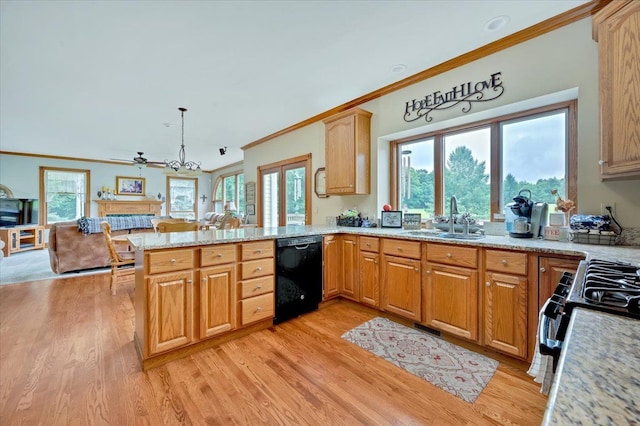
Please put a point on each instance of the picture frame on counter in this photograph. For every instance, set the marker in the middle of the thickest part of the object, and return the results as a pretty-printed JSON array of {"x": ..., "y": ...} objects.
[
  {"x": 391, "y": 219},
  {"x": 412, "y": 220},
  {"x": 250, "y": 209}
]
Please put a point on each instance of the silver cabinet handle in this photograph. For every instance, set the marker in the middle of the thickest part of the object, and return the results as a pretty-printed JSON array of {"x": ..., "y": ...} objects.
[
  {"x": 504, "y": 261},
  {"x": 488, "y": 284},
  {"x": 368, "y": 244},
  {"x": 189, "y": 281},
  {"x": 399, "y": 248},
  {"x": 172, "y": 261},
  {"x": 259, "y": 251},
  {"x": 259, "y": 268},
  {"x": 259, "y": 308},
  {"x": 543, "y": 270},
  {"x": 219, "y": 254},
  {"x": 449, "y": 255},
  {"x": 428, "y": 272},
  {"x": 258, "y": 287}
]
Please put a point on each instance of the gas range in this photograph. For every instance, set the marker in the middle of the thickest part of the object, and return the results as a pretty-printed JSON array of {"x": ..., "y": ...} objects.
[
  {"x": 601, "y": 285},
  {"x": 606, "y": 286}
]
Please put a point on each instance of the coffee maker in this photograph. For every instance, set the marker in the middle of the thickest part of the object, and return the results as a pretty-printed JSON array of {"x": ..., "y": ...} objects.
[{"x": 531, "y": 218}]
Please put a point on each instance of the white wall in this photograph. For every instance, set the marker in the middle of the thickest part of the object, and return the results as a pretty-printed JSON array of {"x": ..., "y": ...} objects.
[
  {"x": 560, "y": 60},
  {"x": 22, "y": 175}
]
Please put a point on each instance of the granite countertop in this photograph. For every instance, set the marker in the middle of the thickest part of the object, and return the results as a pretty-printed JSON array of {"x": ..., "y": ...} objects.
[
  {"x": 597, "y": 380},
  {"x": 153, "y": 241}
]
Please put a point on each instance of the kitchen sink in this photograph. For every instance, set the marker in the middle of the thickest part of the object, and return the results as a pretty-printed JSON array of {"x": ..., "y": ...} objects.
[
  {"x": 440, "y": 234},
  {"x": 459, "y": 236},
  {"x": 423, "y": 232}
]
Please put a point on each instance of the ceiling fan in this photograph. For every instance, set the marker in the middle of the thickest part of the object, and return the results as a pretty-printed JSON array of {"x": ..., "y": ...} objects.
[{"x": 139, "y": 160}]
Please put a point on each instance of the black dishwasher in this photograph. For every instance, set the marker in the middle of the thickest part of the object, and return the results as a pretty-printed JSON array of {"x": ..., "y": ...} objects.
[{"x": 298, "y": 276}]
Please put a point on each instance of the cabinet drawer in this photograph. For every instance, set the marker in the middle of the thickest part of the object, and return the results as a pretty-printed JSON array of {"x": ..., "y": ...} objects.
[
  {"x": 507, "y": 261},
  {"x": 257, "y": 268},
  {"x": 256, "y": 286},
  {"x": 369, "y": 244},
  {"x": 257, "y": 250},
  {"x": 257, "y": 308},
  {"x": 218, "y": 254},
  {"x": 453, "y": 255},
  {"x": 401, "y": 248},
  {"x": 170, "y": 260}
]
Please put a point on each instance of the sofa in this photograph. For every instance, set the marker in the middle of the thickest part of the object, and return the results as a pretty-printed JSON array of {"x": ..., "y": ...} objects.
[{"x": 73, "y": 249}]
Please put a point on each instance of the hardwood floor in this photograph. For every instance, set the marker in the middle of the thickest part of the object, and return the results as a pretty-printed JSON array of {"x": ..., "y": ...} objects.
[{"x": 67, "y": 357}]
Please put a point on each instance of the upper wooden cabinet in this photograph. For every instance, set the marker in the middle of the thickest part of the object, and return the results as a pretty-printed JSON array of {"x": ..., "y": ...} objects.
[
  {"x": 348, "y": 152},
  {"x": 616, "y": 29}
]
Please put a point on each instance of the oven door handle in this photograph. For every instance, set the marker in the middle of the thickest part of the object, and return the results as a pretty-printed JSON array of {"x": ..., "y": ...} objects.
[{"x": 549, "y": 346}]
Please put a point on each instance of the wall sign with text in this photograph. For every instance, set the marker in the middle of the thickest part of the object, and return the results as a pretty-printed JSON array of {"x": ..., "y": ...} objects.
[{"x": 466, "y": 94}]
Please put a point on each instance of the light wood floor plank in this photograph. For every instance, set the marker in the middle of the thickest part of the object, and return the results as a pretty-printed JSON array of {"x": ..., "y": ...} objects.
[{"x": 67, "y": 357}]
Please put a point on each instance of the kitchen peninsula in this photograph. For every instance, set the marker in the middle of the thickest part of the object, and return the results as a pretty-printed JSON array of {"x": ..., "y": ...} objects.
[{"x": 198, "y": 289}]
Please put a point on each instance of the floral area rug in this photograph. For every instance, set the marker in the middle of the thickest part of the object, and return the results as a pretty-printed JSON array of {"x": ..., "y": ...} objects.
[{"x": 459, "y": 371}]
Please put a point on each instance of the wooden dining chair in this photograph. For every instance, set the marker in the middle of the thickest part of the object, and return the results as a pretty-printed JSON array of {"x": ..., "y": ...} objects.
[
  {"x": 122, "y": 262},
  {"x": 156, "y": 221},
  {"x": 229, "y": 222},
  {"x": 178, "y": 226}
]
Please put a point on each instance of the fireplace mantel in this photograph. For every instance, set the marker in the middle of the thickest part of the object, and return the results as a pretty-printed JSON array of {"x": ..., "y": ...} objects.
[{"x": 119, "y": 207}]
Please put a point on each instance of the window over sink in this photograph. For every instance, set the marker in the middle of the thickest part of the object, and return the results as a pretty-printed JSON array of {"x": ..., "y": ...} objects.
[{"x": 485, "y": 164}]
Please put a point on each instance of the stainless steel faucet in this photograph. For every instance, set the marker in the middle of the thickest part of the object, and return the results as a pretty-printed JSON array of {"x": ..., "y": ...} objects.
[{"x": 453, "y": 210}]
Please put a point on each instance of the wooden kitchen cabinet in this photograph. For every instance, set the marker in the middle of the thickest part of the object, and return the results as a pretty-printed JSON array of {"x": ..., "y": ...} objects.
[
  {"x": 400, "y": 286},
  {"x": 369, "y": 271},
  {"x": 450, "y": 296},
  {"x": 348, "y": 286},
  {"x": 616, "y": 28},
  {"x": 217, "y": 300},
  {"x": 170, "y": 311},
  {"x": 505, "y": 302},
  {"x": 257, "y": 278},
  {"x": 549, "y": 273},
  {"x": 332, "y": 266},
  {"x": 170, "y": 294},
  {"x": 348, "y": 152}
]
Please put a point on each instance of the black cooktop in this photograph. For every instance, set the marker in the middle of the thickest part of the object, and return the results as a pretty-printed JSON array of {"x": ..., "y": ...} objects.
[{"x": 606, "y": 286}]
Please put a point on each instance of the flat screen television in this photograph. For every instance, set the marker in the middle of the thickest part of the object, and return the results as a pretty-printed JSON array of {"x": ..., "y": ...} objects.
[{"x": 18, "y": 211}]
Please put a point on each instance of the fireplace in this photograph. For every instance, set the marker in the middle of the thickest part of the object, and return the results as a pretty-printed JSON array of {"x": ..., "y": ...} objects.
[{"x": 125, "y": 208}]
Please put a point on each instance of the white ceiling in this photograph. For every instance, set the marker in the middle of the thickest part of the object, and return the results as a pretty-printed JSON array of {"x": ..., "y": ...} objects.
[{"x": 104, "y": 79}]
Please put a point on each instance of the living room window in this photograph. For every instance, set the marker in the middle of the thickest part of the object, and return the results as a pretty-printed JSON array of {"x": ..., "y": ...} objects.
[
  {"x": 229, "y": 189},
  {"x": 485, "y": 164},
  {"x": 64, "y": 194},
  {"x": 182, "y": 196}
]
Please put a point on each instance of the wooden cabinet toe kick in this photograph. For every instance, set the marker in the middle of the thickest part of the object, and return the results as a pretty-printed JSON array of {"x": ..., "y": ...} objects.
[{"x": 163, "y": 358}]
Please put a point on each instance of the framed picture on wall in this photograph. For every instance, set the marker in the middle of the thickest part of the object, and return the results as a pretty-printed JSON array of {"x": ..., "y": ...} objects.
[
  {"x": 250, "y": 193},
  {"x": 129, "y": 185},
  {"x": 251, "y": 209}
]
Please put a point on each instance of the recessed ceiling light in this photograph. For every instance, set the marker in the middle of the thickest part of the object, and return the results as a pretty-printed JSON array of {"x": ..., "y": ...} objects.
[
  {"x": 496, "y": 23},
  {"x": 399, "y": 68}
]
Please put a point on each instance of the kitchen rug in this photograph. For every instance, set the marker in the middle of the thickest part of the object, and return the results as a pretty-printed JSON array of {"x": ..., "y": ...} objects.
[{"x": 456, "y": 370}]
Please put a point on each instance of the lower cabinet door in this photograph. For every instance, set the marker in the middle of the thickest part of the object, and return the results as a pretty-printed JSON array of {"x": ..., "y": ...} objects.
[
  {"x": 170, "y": 311},
  {"x": 505, "y": 313},
  {"x": 401, "y": 287},
  {"x": 369, "y": 278},
  {"x": 217, "y": 300},
  {"x": 331, "y": 264},
  {"x": 451, "y": 300}
]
